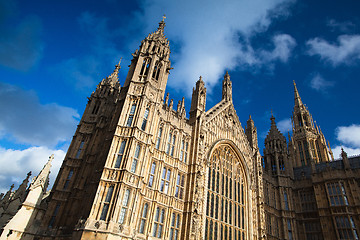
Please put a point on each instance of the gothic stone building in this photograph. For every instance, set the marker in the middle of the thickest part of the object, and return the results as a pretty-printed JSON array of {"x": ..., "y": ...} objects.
[{"x": 139, "y": 169}]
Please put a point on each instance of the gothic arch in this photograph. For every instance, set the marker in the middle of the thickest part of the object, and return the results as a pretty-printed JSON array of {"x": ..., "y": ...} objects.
[{"x": 228, "y": 193}]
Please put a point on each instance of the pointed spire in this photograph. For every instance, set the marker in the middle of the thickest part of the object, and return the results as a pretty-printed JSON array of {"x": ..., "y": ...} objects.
[
  {"x": 7, "y": 196},
  {"x": 298, "y": 101},
  {"x": 161, "y": 25},
  {"x": 42, "y": 179},
  {"x": 227, "y": 87},
  {"x": 21, "y": 191},
  {"x": 272, "y": 118}
]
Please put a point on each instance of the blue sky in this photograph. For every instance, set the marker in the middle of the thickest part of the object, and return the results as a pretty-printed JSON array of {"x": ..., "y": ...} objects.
[{"x": 52, "y": 55}]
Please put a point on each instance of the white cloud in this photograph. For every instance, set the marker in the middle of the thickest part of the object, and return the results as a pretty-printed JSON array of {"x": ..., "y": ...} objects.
[
  {"x": 26, "y": 120},
  {"x": 284, "y": 125},
  {"x": 350, "y": 151},
  {"x": 15, "y": 164},
  {"x": 319, "y": 83},
  {"x": 215, "y": 35},
  {"x": 21, "y": 46},
  {"x": 349, "y": 135},
  {"x": 346, "y": 51},
  {"x": 341, "y": 26}
]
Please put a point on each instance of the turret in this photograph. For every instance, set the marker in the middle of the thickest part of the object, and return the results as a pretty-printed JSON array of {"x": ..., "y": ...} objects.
[
  {"x": 251, "y": 133},
  {"x": 309, "y": 143},
  {"x": 227, "y": 88},
  {"x": 150, "y": 65},
  {"x": 198, "y": 100},
  {"x": 275, "y": 153}
]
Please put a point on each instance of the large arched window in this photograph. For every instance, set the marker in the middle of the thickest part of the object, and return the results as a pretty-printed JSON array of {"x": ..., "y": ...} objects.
[{"x": 226, "y": 196}]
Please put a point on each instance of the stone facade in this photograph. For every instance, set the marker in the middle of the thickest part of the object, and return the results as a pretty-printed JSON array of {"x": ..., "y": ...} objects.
[{"x": 138, "y": 168}]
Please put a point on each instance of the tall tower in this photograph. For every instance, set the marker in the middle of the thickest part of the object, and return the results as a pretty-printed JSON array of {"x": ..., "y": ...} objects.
[
  {"x": 278, "y": 176},
  {"x": 308, "y": 142},
  {"x": 76, "y": 184},
  {"x": 275, "y": 152}
]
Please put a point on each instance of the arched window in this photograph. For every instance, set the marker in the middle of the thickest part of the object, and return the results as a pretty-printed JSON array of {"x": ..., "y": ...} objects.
[
  {"x": 125, "y": 205},
  {"x": 106, "y": 204},
  {"x": 156, "y": 71},
  {"x": 158, "y": 139},
  {"x": 145, "y": 67},
  {"x": 146, "y": 115},
  {"x": 131, "y": 115},
  {"x": 143, "y": 218},
  {"x": 226, "y": 195},
  {"x": 152, "y": 174}
]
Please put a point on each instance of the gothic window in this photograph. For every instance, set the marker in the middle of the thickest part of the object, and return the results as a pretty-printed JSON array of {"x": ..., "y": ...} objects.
[
  {"x": 337, "y": 194},
  {"x": 158, "y": 222},
  {"x": 308, "y": 201},
  {"x": 78, "y": 153},
  {"x": 180, "y": 182},
  {"x": 226, "y": 204},
  {"x": 312, "y": 147},
  {"x": 146, "y": 115},
  {"x": 289, "y": 229},
  {"x": 125, "y": 205},
  {"x": 306, "y": 149},
  {"x": 53, "y": 217},
  {"x": 171, "y": 144},
  {"x": 300, "y": 120},
  {"x": 302, "y": 160},
  {"x": 281, "y": 164},
  {"x": 120, "y": 154},
  {"x": 158, "y": 139},
  {"x": 96, "y": 107},
  {"x": 152, "y": 174},
  {"x": 286, "y": 200},
  {"x": 71, "y": 172},
  {"x": 273, "y": 165},
  {"x": 184, "y": 150},
  {"x": 136, "y": 159},
  {"x": 175, "y": 226},
  {"x": 346, "y": 227},
  {"x": 318, "y": 151},
  {"x": 165, "y": 180},
  {"x": 131, "y": 115},
  {"x": 145, "y": 67},
  {"x": 143, "y": 218},
  {"x": 156, "y": 71},
  {"x": 106, "y": 204}
]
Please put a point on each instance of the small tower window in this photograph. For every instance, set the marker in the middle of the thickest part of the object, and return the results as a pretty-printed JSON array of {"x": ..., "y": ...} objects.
[
  {"x": 120, "y": 154},
  {"x": 180, "y": 182},
  {"x": 165, "y": 180},
  {"x": 96, "y": 107},
  {"x": 131, "y": 115},
  {"x": 171, "y": 144},
  {"x": 158, "y": 222},
  {"x": 152, "y": 174},
  {"x": 125, "y": 204},
  {"x": 143, "y": 218},
  {"x": 158, "y": 139},
  {"x": 156, "y": 72},
  {"x": 136, "y": 159},
  {"x": 78, "y": 153},
  {"x": 184, "y": 150},
  {"x": 146, "y": 115},
  {"x": 107, "y": 203},
  {"x": 286, "y": 200},
  {"x": 175, "y": 226},
  {"x": 52, "y": 219},
  {"x": 68, "y": 179}
]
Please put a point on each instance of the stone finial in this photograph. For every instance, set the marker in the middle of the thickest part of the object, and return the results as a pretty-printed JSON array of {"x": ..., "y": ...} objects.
[
  {"x": 171, "y": 104},
  {"x": 167, "y": 99}
]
